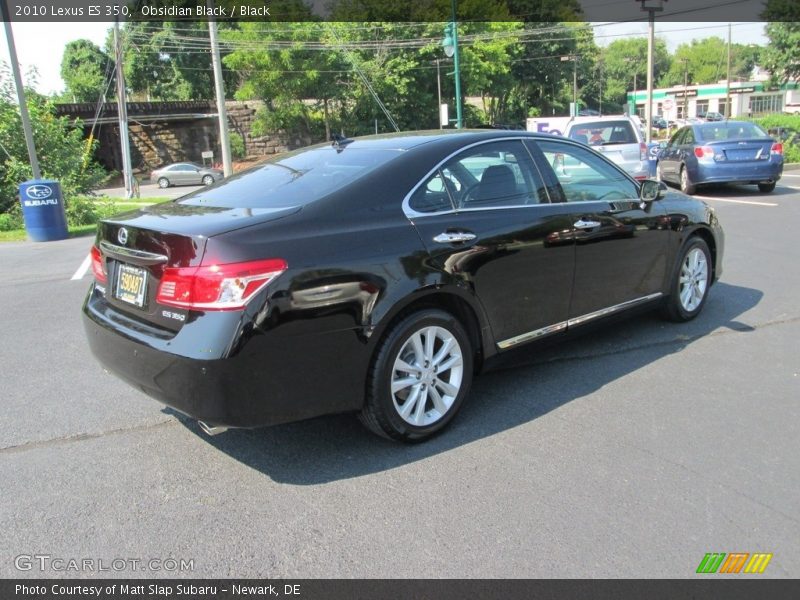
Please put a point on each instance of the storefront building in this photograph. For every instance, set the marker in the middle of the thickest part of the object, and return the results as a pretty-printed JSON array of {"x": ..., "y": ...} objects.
[{"x": 748, "y": 99}]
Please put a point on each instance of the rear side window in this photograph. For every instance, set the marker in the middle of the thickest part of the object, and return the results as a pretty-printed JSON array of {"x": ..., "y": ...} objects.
[
  {"x": 604, "y": 133},
  {"x": 293, "y": 179},
  {"x": 731, "y": 130}
]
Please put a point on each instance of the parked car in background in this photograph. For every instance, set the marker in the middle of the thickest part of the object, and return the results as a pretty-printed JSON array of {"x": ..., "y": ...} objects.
[
  {"x": 618, "y": 138},
  {"x": 185, "y": 174},
  {"x": 659, "y": 123},
  {"x": 711, "y": 116},
  {"x": 721, "y": 152},
  {"x": 792, "y": 108},
  {"x": 378, "y": 275}
]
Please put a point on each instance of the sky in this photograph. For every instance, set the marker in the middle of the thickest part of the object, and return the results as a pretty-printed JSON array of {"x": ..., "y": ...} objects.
[{"x": 42, "y": 44}]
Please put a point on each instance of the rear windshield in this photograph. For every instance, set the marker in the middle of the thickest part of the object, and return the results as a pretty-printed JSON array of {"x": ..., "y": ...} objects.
[
  {"x": 730, "y": 130},
  {"x": 604, "y": 133},
  {"x": 293, "y": 179}
]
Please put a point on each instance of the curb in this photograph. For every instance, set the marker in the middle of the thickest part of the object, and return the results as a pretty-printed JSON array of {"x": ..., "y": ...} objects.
[{"x": 791, "y": 166}]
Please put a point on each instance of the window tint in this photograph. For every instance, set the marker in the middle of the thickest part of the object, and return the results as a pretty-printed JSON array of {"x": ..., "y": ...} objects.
[
  {"x": 293, "y": 179},
  {"x": 496, "y": 174},
  {"x": 676, "y": 138},
  {"x": 604, "y": 133},
  {"x": 432, "y": 196},
  {"x": 584, "y": 176},
  {"x": 688, "y": 137},
  {"x": 730, "y": 130}
]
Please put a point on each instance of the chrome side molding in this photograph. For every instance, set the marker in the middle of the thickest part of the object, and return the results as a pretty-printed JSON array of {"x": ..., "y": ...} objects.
[{"x": 538, "y": 333}]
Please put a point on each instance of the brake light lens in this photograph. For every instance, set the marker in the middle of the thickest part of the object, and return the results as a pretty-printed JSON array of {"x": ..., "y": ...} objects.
[
  {"x": 704, "y": 152},
  {"x": 777, "y": 148},
  {"x": 642, "y": 151},
  {"x": 217, "y": 287},
  {"x": 98, "y": 265}
]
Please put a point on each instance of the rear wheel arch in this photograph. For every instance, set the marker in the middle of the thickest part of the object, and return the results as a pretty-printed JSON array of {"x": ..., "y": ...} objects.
[{"x": 450, "y": 302}]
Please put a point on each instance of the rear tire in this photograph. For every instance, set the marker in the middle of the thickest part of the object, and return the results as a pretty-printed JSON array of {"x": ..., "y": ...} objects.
[
  {"x": 766, "y": 188},
  {"x": 419, "y": 377},
  {"x": 687, "y": 187},
  {"x": 690, "y": 282},
  {"x": 163, "y": 183}
]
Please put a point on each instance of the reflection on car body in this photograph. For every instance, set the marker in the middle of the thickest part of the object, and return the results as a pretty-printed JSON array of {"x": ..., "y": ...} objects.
[{"x": 378, "y": 276}]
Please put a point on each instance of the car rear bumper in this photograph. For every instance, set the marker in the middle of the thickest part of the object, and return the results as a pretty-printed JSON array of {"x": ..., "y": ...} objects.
[
  {"x": 213, "y": 375},
  {"x": 742, "y": 172}
]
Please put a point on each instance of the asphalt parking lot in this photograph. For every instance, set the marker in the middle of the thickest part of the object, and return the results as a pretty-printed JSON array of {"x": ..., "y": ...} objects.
[{"x": 630, "y": 452}]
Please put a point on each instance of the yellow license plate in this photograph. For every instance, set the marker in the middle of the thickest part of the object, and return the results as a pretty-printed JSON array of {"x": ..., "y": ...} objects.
[{"x": 131, "y": 284}]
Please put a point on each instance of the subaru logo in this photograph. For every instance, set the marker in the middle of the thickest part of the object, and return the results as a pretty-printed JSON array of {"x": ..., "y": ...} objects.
[
  {"x": 122, "y": 236},
  {"x": 39, "y": 192}
]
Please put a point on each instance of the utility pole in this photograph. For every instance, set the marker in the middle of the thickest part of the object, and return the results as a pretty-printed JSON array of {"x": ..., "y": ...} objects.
[
  {"x": 685, "y": 62},
  {"x": 439, "y": 91},
  {"x": 224, "y": 138},
  {"x": 574, "y": 59},
  {"x": 728, "y": 79},
  {"x": 600, "y": 98},
  {"x": 450, "y": 45},
  {"x": 23, "y": 107},
  {"x": 652, "y": 7},
  {"x": 122, "y": 109}
]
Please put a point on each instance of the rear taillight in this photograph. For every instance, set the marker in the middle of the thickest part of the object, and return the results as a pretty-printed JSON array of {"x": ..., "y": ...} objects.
[
  {"x": 98, "y": 265},
  {"x": 704, "y": 152},
  {"x": 217, "y": 287},
  {"x": 777, "y": 148},
  {"x": 642, "y": 151}
]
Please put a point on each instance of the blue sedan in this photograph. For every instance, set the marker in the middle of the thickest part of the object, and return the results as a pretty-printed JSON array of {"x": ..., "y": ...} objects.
[{"x": 721, "y": 152}]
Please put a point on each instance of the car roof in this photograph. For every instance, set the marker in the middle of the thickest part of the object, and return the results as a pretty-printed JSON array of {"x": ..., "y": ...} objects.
[{"x": 407, "y": 140}]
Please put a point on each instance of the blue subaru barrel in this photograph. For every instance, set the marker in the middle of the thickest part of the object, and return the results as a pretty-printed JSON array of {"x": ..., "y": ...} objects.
[
  {"x": 652, "y": 157},
  {"x": 43, "y": 210}
]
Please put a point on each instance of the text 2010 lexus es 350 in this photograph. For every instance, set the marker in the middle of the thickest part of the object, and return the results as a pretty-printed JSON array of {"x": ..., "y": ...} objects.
[{"x": 379, "y": 274}]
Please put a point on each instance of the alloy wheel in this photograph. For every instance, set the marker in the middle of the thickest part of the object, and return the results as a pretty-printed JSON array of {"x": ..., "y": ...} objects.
[
  {"x": 427, "y": 376},
  {"x": 693, "y": 279}
]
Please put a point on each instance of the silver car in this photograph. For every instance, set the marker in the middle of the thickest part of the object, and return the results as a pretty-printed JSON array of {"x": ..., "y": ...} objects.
[
  {"x": 618, "y": 138},
  {"x": 185, "y": 174}
]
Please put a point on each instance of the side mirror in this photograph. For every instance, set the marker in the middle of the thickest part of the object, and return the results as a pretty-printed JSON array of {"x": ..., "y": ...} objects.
[{"x": 652, "y": 190}]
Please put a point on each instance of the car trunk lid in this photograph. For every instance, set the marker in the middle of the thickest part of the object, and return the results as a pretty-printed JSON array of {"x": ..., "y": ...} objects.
[{"x": 138, "y": 246}]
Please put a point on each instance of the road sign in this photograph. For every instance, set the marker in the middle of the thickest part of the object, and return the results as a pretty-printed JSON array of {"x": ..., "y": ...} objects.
[{"x": 668, "y": 104}]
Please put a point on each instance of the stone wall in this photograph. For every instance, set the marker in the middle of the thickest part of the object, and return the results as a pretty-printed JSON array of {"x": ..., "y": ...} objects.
[{"x": 178, "y": 138}]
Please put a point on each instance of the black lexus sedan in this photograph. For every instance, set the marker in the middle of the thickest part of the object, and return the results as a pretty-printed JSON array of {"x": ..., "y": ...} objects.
[{"x": 377, "y": 275}]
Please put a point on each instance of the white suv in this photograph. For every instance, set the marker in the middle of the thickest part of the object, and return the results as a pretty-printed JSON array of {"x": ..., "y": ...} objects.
[{"x": 619, "y": 138}]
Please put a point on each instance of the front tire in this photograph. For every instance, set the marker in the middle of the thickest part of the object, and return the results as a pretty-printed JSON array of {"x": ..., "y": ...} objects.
[
  {"x": 419, "y": 377},
  {"x": 208, "y": 180},
  {"x": 163, "y": 183},
  {"x": 690, "y": 282},
  {"x": 687, "y": 187},
  {"x": 766, "y": 188}
]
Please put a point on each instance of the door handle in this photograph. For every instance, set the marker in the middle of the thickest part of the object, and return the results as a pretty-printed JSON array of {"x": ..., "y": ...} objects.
[
  {"x": 581, "y": 224},
  {"x": 454, "y": 237}
]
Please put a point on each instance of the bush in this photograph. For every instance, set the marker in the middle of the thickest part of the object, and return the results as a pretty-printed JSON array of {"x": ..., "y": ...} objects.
[
  {"x": 237, "y": 145},
  {"x": 10, "y": 222},
  {"x": 60, "y": 146},
  {"x": 83, "y": 210},
  {"x": 791, "y": 139}
]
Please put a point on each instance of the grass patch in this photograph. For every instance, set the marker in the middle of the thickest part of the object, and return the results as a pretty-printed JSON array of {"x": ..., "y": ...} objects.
[{"x": 19, "y": 235}]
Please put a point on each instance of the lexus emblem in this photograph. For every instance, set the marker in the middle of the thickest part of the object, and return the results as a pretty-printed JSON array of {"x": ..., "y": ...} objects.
[{"x": 122, "y": 236}]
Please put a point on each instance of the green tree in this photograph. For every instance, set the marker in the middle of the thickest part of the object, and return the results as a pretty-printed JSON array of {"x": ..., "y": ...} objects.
[
  {"x": 168, "y": 61},
  {"x": 782, "y": 55},
  {"x": 624, "y": 58},
  {"x": 63, "y": 153},
  {"x": 86, "y": 70}
]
